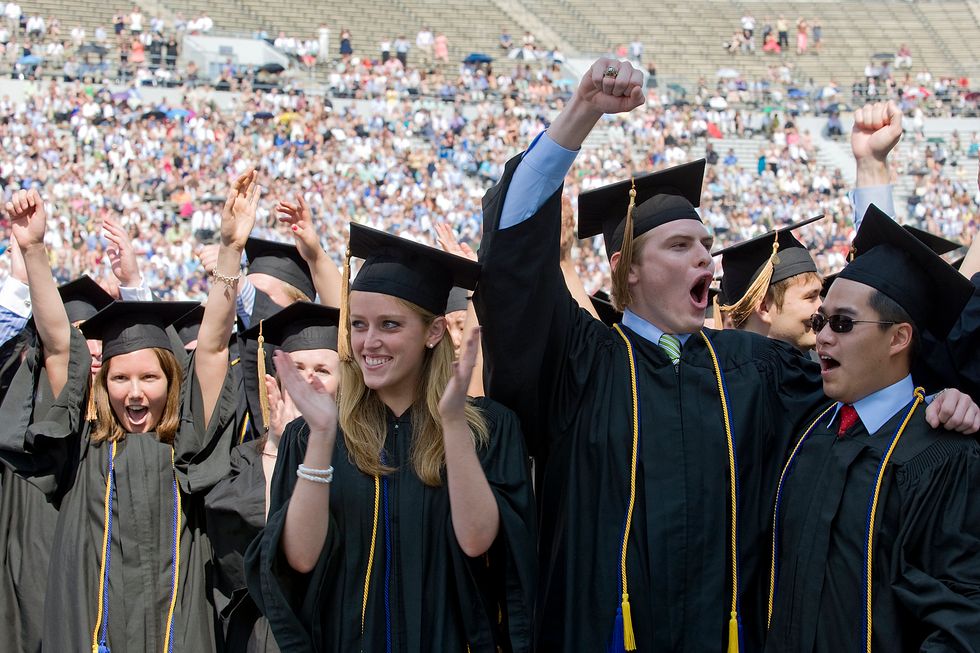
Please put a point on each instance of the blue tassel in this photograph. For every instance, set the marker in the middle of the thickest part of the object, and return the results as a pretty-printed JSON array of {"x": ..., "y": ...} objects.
[
  {"x": 103, "y": 648},
  {"x": 616, "y": 644}
]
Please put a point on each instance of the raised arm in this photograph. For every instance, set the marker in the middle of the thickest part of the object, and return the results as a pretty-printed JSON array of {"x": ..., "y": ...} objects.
[
  {"x": 28, "y": 221},
  {"x": 326, "y": 276},
  {"x": 305, "y": 530},
  {"x": 971, "y": 264},
  {"x": 476, "y": 518},
  {"x": 876, "y": 131},
  {"x": 211, "y": 357}
]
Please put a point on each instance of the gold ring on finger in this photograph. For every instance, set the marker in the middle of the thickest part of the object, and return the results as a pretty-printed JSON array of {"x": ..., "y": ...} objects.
[{"x": 611, "y": 71}]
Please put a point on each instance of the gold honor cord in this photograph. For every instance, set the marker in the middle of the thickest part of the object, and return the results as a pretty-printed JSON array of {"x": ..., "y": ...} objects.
[
  {"x": 733, "y": 625},
  {"x": 872, "y": 514},
  {"x": 370, "y": 564},
  {"x": 106, "y": 516},
  {"x": 173, "y": 595},
  {"x": 919, "y": 398},
  {"x": 629, "y": 639}
]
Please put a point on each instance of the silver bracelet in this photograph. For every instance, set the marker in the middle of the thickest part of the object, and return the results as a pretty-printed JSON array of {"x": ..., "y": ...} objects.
[
  {"x": 316, "y": 479},
  {"x": 228, "y": 281}
]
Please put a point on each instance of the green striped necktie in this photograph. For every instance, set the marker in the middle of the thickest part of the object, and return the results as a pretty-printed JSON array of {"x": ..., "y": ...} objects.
[{"x": 672, "y": 347}]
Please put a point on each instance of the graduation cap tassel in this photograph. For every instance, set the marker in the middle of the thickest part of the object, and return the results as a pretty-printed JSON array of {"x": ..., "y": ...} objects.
[
  {"x": 742, "y": 309},
  {"x": 343, "y": 329},
  {"x": 620, "y": 276},
  {"x": 716, "y": 313},
  {"x": 263, "y": 391},
  {"x": 91, "y": 414}
]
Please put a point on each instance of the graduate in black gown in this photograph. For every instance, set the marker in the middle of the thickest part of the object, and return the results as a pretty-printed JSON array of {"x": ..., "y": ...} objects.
[
  {"x": 129, "y": 560},
  {"x": 654, "y": 514},
  {"x": 876, "y": 507},
  {"x": 409, "y": 527},
  {"x": 237, "y": 507},
  {"x": 27, "y": 519}
]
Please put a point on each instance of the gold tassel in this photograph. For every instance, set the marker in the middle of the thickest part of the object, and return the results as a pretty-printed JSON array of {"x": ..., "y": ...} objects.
[
  {"x": 620, "y": 276},
  {"x": 343, "y": 329},
  {"x": 742, "y": 309},
  {"x": 263, "y": 391},
  {"x": 716, "y": 313},
  {"x": 733, "y": 634},
  {"x": 629, "y": 640}
]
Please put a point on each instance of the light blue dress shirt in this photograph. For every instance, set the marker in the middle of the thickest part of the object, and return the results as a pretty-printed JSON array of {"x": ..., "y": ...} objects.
[{"x": 880, "y": 406}]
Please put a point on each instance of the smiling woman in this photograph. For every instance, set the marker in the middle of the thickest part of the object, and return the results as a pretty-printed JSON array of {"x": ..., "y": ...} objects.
[
  {"x": 430, "y": 509},
  {"x": 127, "y": 476}
]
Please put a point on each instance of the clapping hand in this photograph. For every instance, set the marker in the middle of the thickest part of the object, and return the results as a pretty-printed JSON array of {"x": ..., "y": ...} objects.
[
  {"x": 282, "y": 410},
  {"x": 452, "y": 405},
  {"x": 300, "y": 220},
  {"x": 122, "y": 258},
  {"x": 313, "y": 400},
  {"x": 449, "y": 243},
  {"x": 238, "y": 214}
]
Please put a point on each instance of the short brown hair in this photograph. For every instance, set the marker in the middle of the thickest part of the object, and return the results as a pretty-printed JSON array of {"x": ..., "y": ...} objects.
[
  {"x": 777, "y": 291},
  {"x": 107, "y": 427}
]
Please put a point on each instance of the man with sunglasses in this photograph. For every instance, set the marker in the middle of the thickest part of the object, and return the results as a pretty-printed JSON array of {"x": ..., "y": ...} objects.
[
  {"x": 877, "y": 515},
  {"x": 658, "y": 443}
]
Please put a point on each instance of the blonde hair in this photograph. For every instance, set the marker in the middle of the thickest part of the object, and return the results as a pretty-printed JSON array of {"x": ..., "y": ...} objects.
[
  {"x": 621, "y": 295},
  {"x": 363, "y": 418},
  {"x": 107, "y": 427}
]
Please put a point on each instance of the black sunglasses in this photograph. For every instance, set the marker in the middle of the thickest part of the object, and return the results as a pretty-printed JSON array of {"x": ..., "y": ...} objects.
[{"x": 838, "y": 323}]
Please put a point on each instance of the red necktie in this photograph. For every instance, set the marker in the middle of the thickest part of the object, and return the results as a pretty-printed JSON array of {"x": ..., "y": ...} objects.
[{"x": 848, "y": 418}]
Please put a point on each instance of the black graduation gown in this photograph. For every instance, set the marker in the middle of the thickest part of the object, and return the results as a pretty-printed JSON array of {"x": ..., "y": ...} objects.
[
  {"x": 27, "y": 519},
  {"x": 567, "y": 377},
  {"x": 236, "y": 514},
  {"x": 954, "y": 361},
  {"x": 440, "y": 599},
  {"x": 71, "y": 470},
  {"x": 926, "y": 578}
]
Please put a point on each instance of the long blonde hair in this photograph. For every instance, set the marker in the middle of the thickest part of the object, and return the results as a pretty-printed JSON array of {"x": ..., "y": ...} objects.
[
  {"x": 107, "y": 427},
  {"x": 363, "y": 416}
]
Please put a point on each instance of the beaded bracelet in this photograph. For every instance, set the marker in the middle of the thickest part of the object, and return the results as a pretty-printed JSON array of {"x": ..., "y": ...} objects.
[
  {"x": 316, "y": 479},
  {"x": 313, "y": 474},
  {"x": 228, "y": 281}
]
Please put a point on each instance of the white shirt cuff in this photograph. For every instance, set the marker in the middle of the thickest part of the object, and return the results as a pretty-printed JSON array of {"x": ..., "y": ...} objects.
[
  {"x": 16, "y": 297},
  {"x": 140, "y": 293}
]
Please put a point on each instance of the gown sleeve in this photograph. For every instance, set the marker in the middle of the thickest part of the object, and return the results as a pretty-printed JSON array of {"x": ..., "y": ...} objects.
[
  {"x": 937, "y": 561},
  {"x": 281, "y": 593},
  {"x": 539, "y": 346},
  {"x": 40, "y": 436},
  {"x": 202, "y": 453},
  {"x": 954, "y": 362},
  {"x": 499, "y": 587}
]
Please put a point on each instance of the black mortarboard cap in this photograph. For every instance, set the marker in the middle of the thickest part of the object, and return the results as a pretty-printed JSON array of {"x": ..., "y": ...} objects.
[
  {"x": 299, "y": 327},
  {"x": 895, "y": 262},
  {"x": 83, "y": 298},
  {"x": 938, "y": 244},
  {"x": 742, "y": 262},
  {"x": 281, "y": 261},
  {"x": 408, "y": 270},
  {"x": 189, "y": 325},
  {"x": 604, "y": 309},
  {"x": 661, "y": 197},
  {"x": 458, "y": 300},
  {"x": 125, "y": 327}
]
